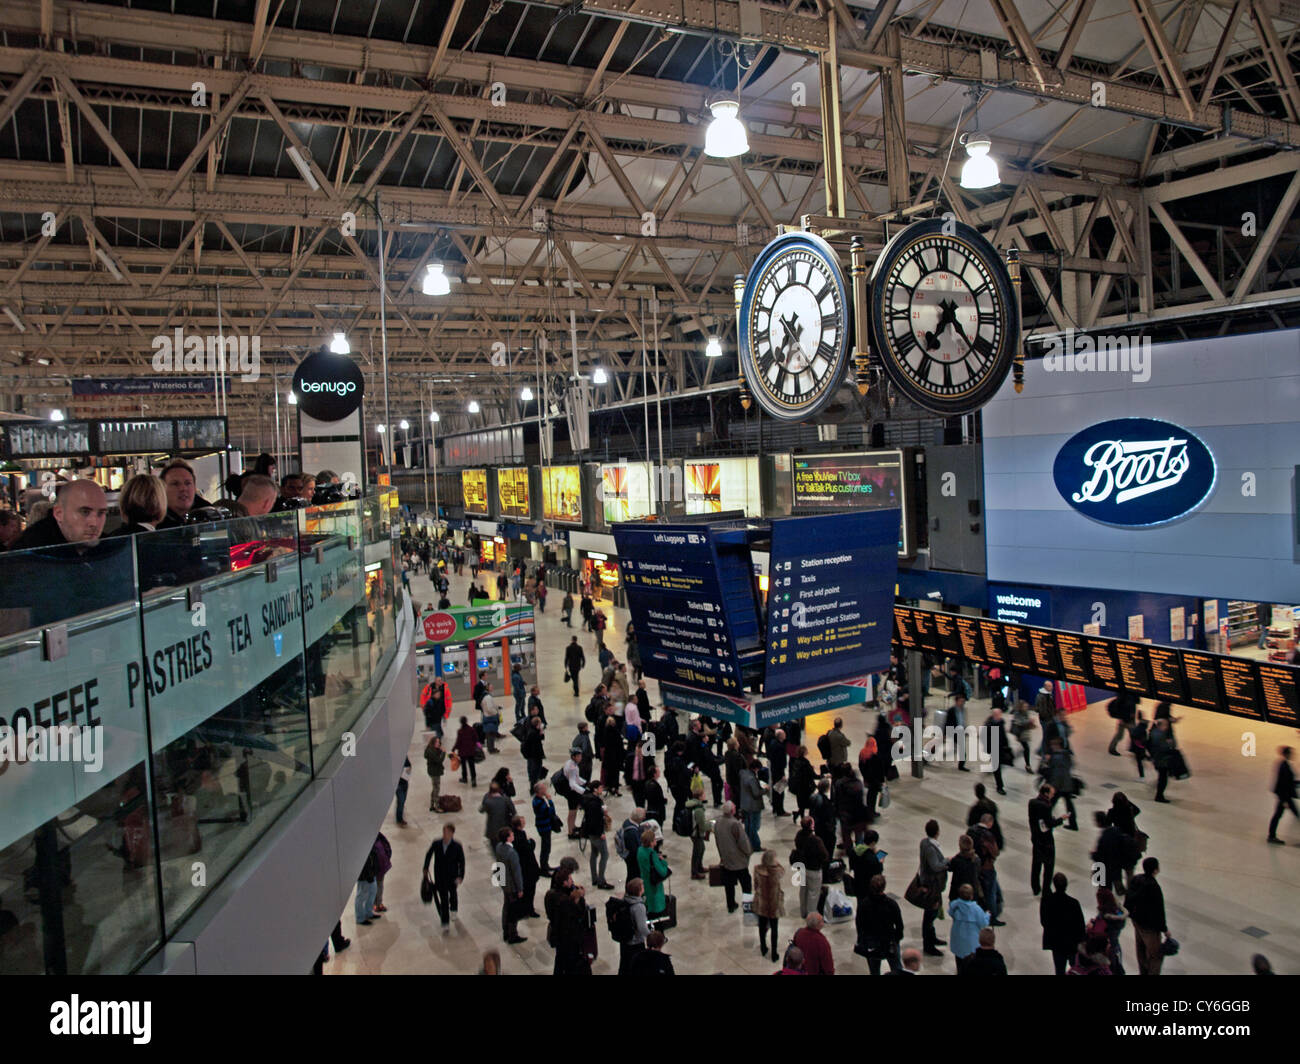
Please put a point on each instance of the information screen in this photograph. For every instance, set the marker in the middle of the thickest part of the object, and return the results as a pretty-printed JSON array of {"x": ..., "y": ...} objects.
[
  {"x": 1166, "y": 674},
  {"x": 1103, "y": 663},
  {"x": 1202, "y": 679},
  {"x": 1020, "y": 652},
  {"x": 1134, "y": 670},
  {"x": 1240, "y": 687},
  {"x": 626, "y": 491},
  {"x": 723, "y": 484},
  {"x": 1279, "y": 693},
  {"x": 830, "y": 598},
  {"x": 867, "y": 480},
  {"x": 1074, "y": 659}
]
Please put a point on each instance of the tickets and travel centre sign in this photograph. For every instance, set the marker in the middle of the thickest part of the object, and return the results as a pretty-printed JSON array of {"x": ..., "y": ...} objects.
[{"x": 1134, "y": 472}]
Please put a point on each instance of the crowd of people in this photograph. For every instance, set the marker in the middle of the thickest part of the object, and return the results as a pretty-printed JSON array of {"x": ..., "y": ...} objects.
[{"x": 713, "y": 784}]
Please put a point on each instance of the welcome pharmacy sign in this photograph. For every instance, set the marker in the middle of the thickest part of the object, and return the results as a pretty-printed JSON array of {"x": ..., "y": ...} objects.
[{"x": 1135, "y": 472}]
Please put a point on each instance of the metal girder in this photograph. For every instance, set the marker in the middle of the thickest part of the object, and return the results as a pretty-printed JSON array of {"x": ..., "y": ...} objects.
[
  {"x": 1186, "y": 250},
  {"x": 1162, "y": 53},
  {"x": 466, "y": 156},
  {"x": 1018, "y": 34},
  {"x": 102, "y": 131},
  {"x": 304, "y": 100},
  {"x": 1268, "y": 240},
  {"x": 1278, "y": 60},
  {"x": 1226, "y": 39},
  {"x": 1077, "y": 23},
  {"x": 22, "y": 88}
]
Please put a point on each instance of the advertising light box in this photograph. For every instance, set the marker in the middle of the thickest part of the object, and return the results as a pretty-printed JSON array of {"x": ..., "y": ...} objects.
[
  {"x": 627, "y": 491},
  {"x": 512, "y": 492},
  {"x": 864, "y": 480},
  {"x": 723, "y": 484},
  {"x": 562, "y": 494},
  {"x": 473, "y": 483}
]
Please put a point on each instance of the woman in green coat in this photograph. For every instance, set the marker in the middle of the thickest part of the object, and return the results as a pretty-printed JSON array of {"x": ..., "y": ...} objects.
[{"x": 654, "y": 873}]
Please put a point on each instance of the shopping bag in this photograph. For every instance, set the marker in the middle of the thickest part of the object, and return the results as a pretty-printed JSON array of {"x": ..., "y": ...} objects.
[{"x": 749, "y": 918}]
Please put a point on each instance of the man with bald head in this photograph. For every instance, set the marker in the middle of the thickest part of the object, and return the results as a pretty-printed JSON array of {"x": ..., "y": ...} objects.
[
  {"x": 80, "y": 508},
  {"x": 258, "y": 495}
]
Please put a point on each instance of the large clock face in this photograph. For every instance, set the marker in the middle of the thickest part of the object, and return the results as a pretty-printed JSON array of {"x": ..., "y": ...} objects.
[
  {"x": 944, "y": 317},
  {"x": 794, "y": 326}
]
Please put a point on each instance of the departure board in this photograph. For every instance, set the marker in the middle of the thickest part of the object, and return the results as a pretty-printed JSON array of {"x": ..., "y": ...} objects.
[
  {"x": 1134, "y": 670},
  {"x": 1047, "y": 656},
  {"x": 1279, "y": 693},
  {"x": 1103, "y": 662},
  {"x": 1166, "y": 674},
  {"x": 945, "y": 628},
  {"x": 923, "y": 628},
  {"x": 905, "y": 628},
  {"x": 1240, "y": 687},
  {"x": 1074, "y": 659},
  {"x": 972, "y": 645},
  {"x": 1202, "y": 680},
  {"x": 995, "y": 645},
  {"x": 1020, "y": 653}
]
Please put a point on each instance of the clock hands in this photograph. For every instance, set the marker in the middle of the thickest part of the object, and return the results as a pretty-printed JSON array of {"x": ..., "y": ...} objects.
[
  {"x": 948, "y": 316},
  {"x": 792, "y": 330}
]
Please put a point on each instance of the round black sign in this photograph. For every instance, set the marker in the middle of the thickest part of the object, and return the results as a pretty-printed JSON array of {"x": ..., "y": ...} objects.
[{"x": 328, "y": 386}]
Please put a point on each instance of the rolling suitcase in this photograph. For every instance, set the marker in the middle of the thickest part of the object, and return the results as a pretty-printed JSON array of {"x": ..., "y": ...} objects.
[{"x": 590, "y": 942}]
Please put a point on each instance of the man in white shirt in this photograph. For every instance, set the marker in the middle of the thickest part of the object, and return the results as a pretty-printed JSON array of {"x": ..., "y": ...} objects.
[{"x": 573, "y": 777}]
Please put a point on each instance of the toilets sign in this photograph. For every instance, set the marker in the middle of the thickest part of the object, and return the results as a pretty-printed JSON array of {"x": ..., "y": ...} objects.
[{"x": 1134, "y": 472}]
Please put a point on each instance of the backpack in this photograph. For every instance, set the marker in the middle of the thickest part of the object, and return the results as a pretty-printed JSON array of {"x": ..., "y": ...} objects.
[
  {"x": 824, "y": 746},
  {"x": 1097, "y": 928},
  {"x": 683, "y": 822},
  {"x": 618, "y": 918},
  {"x": 560, "y": 784},
  {"x": 621, "y": 846}
]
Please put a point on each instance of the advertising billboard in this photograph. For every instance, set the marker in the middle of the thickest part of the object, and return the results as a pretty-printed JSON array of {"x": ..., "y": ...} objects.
[
  {"x": 626, "y": 491},
  {"x": 512, "y": 492},
  {"x": 863, "y": 480},
  {"x": 723, "y": 484},
  {"x": 473, "y": 484},
  {"x": 562, "y": 494}
]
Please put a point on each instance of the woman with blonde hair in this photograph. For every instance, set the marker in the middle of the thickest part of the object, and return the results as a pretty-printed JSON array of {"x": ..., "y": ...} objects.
[
  {"x": 769, "y": 901},
  {"x": 143, "y": 503}
]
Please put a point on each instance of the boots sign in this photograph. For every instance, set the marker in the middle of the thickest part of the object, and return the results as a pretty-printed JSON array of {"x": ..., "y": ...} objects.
[
  {"x": 1134, "y": 472},
  {"x": 328, "y": 386}
]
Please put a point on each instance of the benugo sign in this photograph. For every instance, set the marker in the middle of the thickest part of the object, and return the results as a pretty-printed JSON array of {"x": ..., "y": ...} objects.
[
  {"x": 328, "y": 387},
  {"x": 1135, "y": 472}
]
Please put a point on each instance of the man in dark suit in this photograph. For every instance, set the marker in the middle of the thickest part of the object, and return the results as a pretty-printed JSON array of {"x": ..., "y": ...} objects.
[
  {"x": 448, "y": 857},
  {"x": 1041, "y": 823},
  {"x": 574, "y": 660},
  {"x": 1284, "y": 789},
  {"x": 532, "y": 872}
]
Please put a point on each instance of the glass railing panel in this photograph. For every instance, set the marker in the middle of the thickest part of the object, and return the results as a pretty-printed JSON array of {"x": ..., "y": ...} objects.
[
  {"x": 226, "y": 687},
  {"x": 78, "y": 870}
]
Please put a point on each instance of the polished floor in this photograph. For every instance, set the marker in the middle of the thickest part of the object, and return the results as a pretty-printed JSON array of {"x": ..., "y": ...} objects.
[{"x": 1228, "y": 894}]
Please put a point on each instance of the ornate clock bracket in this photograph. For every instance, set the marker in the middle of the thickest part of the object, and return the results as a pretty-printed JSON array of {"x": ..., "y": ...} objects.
[
  {"x": 1018, "y": 364},
  {"x": 738, "y": 286},
  {"x": 862, "y": 348}
]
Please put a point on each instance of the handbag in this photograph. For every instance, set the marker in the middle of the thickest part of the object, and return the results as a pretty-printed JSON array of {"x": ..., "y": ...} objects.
[
  {"x": 454, "y": 762},
  {"x": 918, "y": 894},
  {"x": 480, "y": 755},
  {"x": 426, "y": 888},
  {"x": 884, "y": 800},
  {"x": 566, "y": 675}
]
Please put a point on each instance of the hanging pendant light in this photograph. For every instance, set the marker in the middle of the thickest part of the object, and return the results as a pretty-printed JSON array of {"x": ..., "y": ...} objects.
[
  {"x": 435, "y": 280},
  {"x": 339, "y": 345},
  {"x": 713, "y": 349},
  {"x": 981, "y": 169},
  {"x": 726, "y": 137}
]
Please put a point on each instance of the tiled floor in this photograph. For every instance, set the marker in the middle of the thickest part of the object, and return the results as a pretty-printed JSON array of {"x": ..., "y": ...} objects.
[{"x": 1220, "y": 878}]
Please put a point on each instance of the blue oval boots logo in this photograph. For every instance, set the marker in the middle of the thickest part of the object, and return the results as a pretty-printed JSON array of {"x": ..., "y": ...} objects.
[{"x": 1134, "y": 472}]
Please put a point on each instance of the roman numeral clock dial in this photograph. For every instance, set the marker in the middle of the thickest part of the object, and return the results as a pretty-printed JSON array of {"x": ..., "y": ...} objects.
[
  {"x": 945, "y": 322},
  {"x": 795, "y": 325}
]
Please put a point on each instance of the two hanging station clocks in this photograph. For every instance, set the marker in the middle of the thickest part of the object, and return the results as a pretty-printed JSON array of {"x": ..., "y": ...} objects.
[{"x": 938, "y": 314}]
